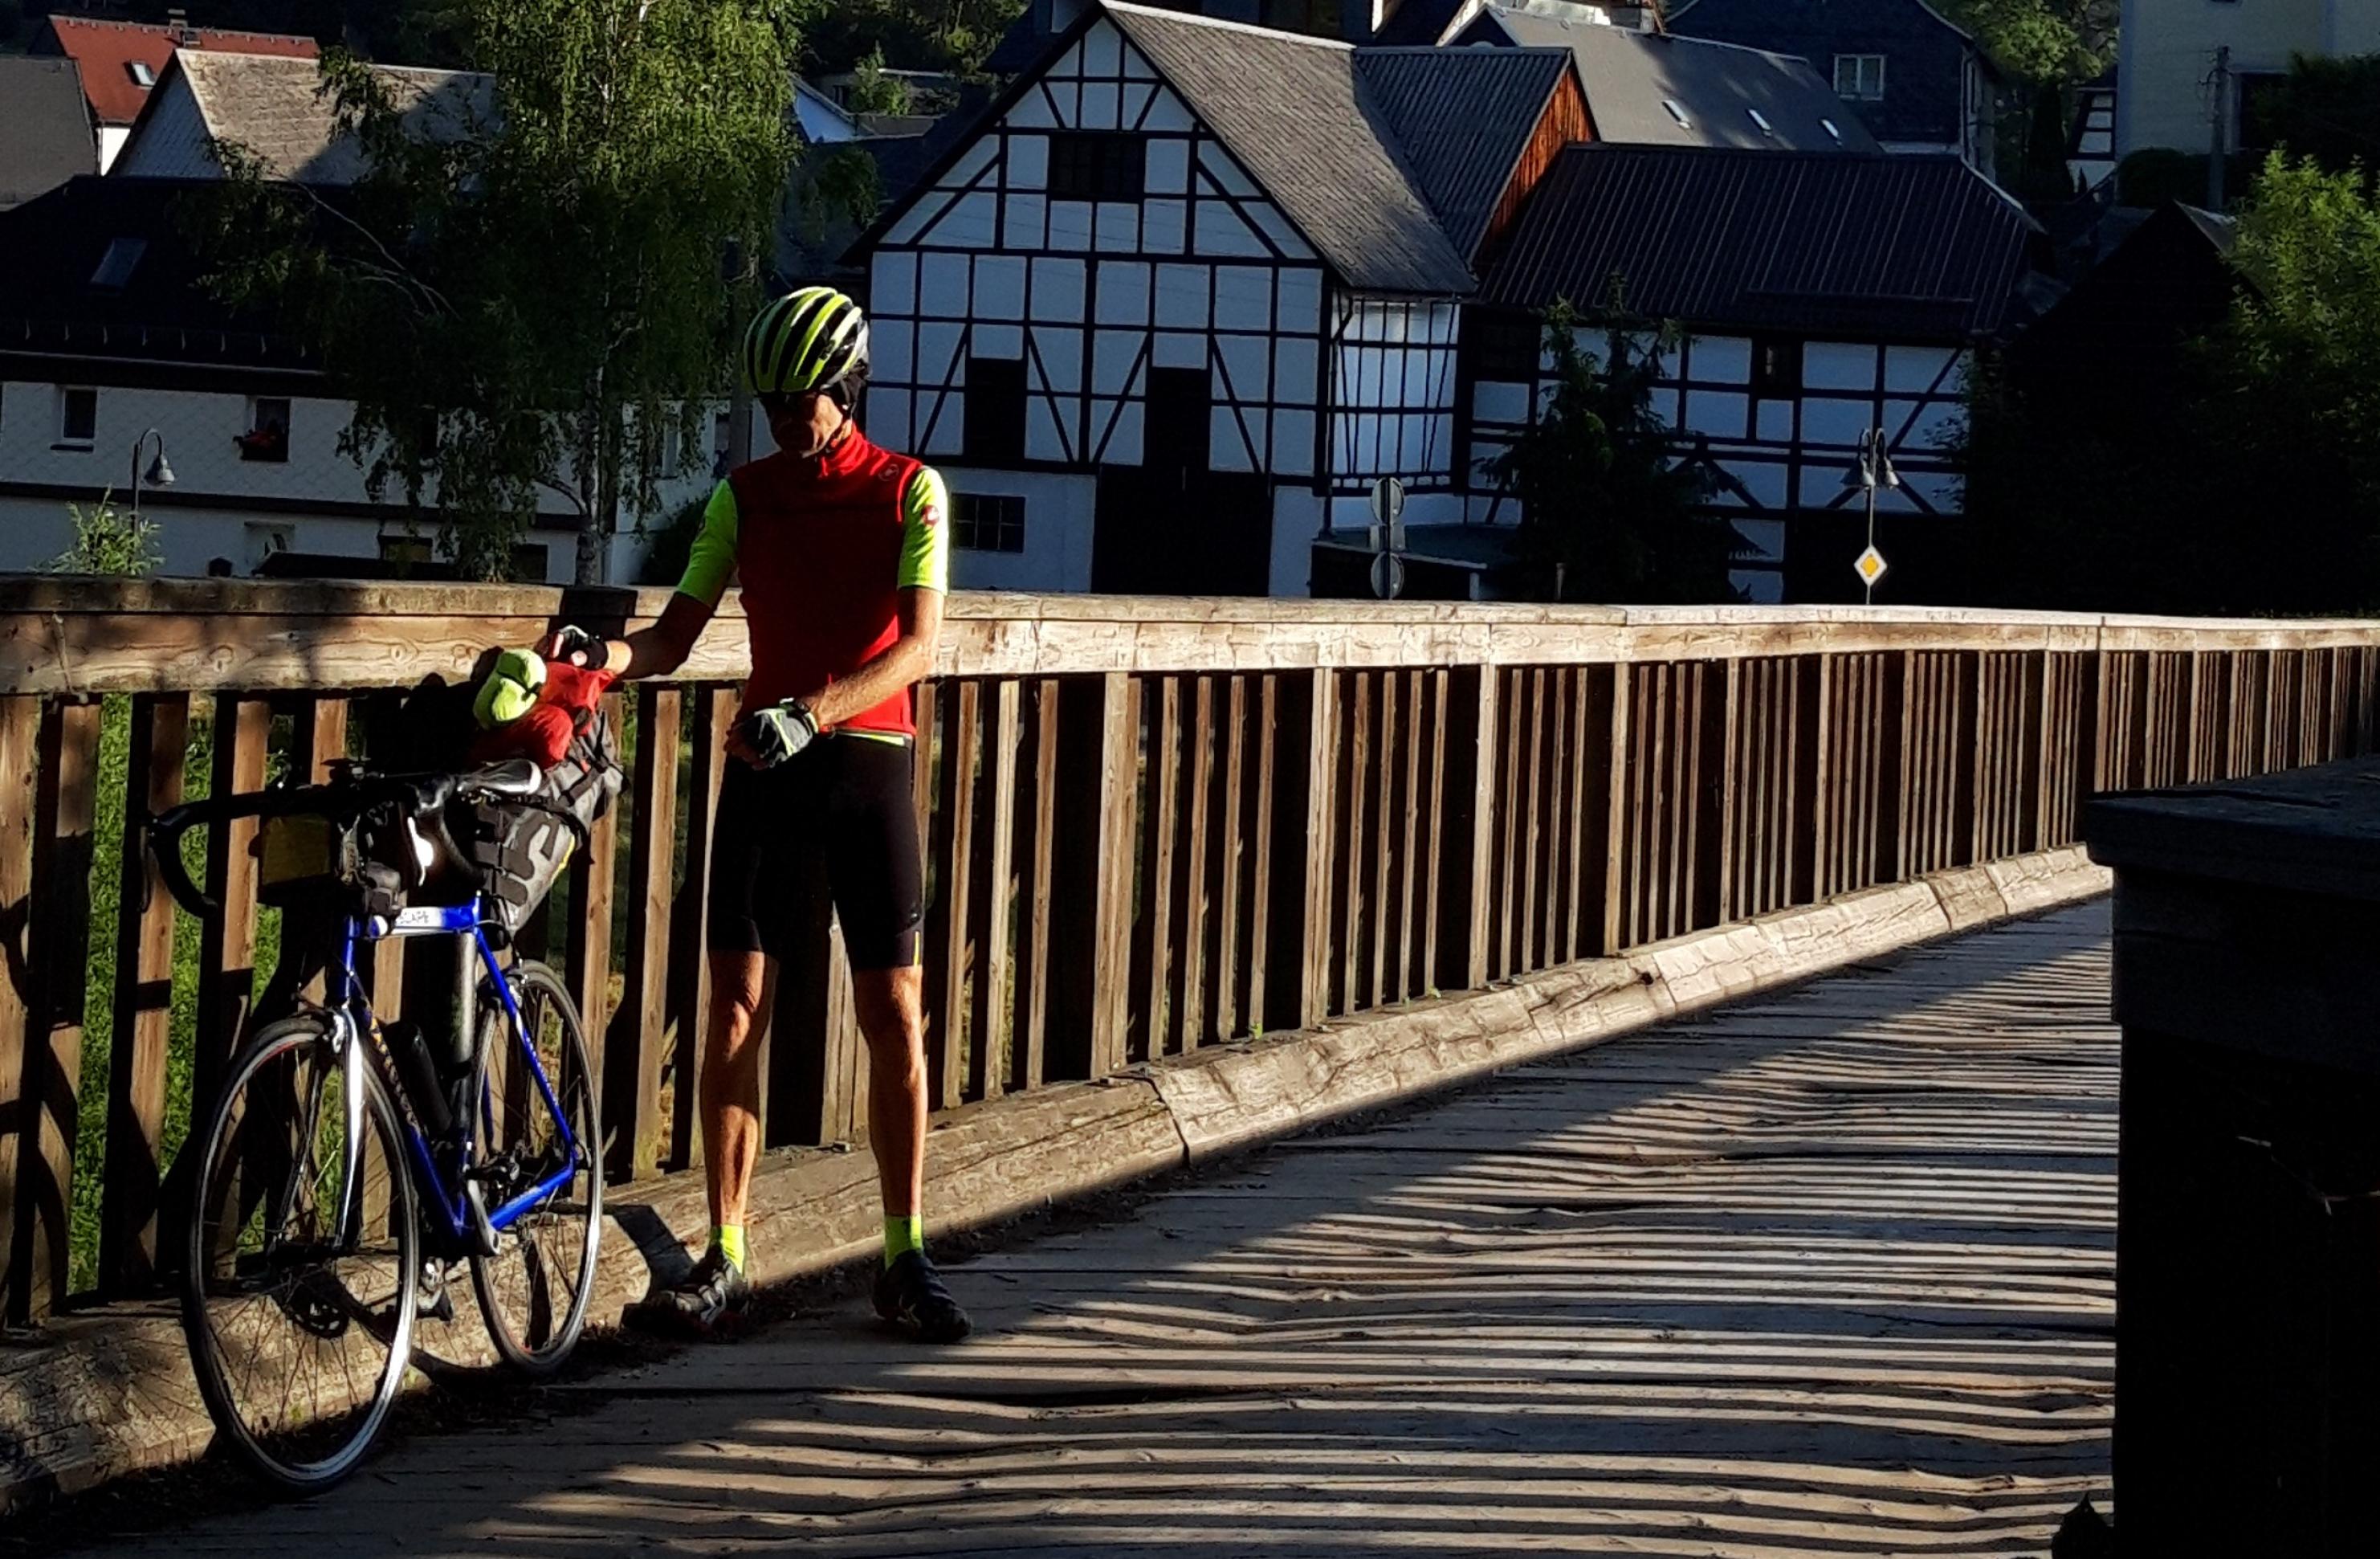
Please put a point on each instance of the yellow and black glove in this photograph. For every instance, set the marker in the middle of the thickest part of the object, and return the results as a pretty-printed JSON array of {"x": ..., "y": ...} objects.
[{"x": 778, "y": 732}]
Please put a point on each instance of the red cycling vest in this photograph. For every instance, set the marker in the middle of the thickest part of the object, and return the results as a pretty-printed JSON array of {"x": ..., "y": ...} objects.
[{"x": 818, "y": 553}]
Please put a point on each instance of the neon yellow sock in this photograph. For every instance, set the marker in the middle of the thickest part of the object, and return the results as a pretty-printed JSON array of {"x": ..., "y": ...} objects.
[
  {"x": 902, "y": 1234},
  {"x": 728, "y": 1240}
]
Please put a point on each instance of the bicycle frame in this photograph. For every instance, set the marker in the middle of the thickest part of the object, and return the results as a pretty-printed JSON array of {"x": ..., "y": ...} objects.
[{"x": 353, "y": 1012}]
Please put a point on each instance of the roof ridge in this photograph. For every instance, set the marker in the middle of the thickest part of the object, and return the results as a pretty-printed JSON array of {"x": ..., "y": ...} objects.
[
  {"x": 112, "y": 24},
  {"x": 1192, "y": 19}
]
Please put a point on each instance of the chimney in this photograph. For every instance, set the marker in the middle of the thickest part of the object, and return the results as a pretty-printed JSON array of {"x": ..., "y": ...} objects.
[{"x": 178, "y": 21}]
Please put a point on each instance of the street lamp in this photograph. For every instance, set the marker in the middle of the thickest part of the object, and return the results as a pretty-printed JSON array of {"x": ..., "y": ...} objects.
[
  {"x": 159, "y": 475},
  {"x": 1870, "y": 473}
]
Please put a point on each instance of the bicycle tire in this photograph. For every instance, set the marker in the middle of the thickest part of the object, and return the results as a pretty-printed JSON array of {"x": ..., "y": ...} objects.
[
  {"x": 534, "y": 1291},
  {"x": 295, "y": 1444}
]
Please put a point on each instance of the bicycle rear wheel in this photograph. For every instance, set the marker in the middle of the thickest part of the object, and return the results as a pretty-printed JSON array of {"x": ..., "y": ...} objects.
[
  {"x": 303, "y": 1250},
  {"x": 535, "y": 1288}
]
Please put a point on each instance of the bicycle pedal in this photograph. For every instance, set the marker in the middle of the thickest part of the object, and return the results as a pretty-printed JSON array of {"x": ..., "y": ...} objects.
[{"x": 432, "y": 1300}]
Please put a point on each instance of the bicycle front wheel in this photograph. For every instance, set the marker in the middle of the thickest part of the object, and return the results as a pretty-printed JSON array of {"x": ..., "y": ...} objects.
[
  {"x": 302, "y": 1256},
  {"x": 534, "y": 1289}
]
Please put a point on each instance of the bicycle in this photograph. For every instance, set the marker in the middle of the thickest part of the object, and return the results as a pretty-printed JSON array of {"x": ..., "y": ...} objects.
[{"x": 339, "y": 1149}]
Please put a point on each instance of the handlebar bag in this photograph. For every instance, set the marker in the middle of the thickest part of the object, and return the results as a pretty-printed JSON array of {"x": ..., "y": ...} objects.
[{"x": 520, "y": 850}]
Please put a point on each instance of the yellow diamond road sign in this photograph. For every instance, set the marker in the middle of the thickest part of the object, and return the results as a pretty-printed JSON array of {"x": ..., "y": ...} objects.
[{"x": 1870, "y": 567}]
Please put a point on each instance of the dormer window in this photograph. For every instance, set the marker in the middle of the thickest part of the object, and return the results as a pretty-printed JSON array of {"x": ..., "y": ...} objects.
[
  {"x": 142, "y": 77},
  {"x": 116, "y": 266},
  {"x": 1677, "y": 113}
]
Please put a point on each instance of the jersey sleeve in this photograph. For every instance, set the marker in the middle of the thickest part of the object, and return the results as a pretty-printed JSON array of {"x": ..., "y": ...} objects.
[
  {"x": 712, "y": 562},
  {"x": 926, "y": 533}
]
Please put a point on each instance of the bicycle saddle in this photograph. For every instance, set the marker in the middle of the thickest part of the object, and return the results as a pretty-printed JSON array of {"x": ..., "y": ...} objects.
[{"x": 513, "y": 777}]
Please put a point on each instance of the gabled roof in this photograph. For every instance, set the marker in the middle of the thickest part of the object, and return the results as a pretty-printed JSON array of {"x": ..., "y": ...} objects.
[
  {"x": 1631, "y": 78},
  {"x": 149, "y": 303},
  {"x": 107, "y": 50},
  {"x": 1294, "y": 113},
  {"x": 1917, "y": 247},
  {"x": 1461, "y": 118},
  {"x": 275, "y": 106},
  {"x": 45, "y": 136}
]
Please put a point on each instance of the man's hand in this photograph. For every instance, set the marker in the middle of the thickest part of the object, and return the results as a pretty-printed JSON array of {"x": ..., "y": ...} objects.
[
  {"x": 766, "y": 737},
  {"x": 575, "y": 646}
]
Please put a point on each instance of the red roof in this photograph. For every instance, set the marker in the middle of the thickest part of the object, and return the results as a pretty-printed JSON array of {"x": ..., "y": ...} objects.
[{"x": 108, "y": 50}]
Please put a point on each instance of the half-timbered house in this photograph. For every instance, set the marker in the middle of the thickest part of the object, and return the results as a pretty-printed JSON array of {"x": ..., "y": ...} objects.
[
  {"x": 1818, "y": 296},
  {"x": 1192, "y": 286}
]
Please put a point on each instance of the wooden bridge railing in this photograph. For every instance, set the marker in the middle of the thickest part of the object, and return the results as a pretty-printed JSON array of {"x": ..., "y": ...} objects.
[{"x": 1152, "y": 825}]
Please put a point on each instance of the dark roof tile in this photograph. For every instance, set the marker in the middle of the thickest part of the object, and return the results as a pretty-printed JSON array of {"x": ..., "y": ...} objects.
[
  {"x": 1715, "y": 239},
  {"x": 1462, "y": 118},
  {"x": 46, "y": 134}
]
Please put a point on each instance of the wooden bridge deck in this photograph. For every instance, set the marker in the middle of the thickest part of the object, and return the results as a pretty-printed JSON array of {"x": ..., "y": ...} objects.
[{"x": 1828, "y": 1273}]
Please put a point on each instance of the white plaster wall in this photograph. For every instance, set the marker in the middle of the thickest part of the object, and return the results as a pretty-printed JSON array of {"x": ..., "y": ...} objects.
[{"x": 1058, "y": 514}]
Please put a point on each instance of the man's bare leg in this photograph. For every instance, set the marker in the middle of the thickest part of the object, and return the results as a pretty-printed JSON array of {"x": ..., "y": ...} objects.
[
  {"x": 890, "y": 1007},
  {"x": 742, "y": 988}
]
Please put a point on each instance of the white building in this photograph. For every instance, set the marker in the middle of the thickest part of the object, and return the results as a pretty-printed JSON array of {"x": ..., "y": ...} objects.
[
  {"x": 2186, "y": 67},
  {"x": 107, "y": 334},
  {"x": 1191, "y": 288},
  {"x": 1191, "y": 285}
]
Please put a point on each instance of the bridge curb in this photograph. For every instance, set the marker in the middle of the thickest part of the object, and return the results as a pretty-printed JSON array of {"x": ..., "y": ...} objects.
[{"x": 100, "y": 1393}]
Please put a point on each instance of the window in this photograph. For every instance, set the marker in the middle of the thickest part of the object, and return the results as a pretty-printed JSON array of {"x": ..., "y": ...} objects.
[
  {"x": 1760, "y": 122},
  {"x": 1833, "y": 133},
  {"x": 1776, "y": 366},
  {"x": 267, "y": 438},
  {"x": 142, "y": 77},
  {"x": 1677, "y": 113},
  {"x": 1860, "y": 76},
  {"x": 723, "y": 429},
  {"x": 407, "y": 551},
  {"x": 1096, "y": 165},
  {"x": 987, "y": 522},
  {"x": 1506, "y": 347},
  {"x": 995, "y": 408},
  {"x": 114, "y": 268},
  {"x": 77, "y": 418}
]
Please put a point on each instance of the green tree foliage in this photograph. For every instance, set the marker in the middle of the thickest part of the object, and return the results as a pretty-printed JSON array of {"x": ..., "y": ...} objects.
[
  {"x": 527, "y": 294},
  {"x": 1612, "y": 513},
  {"x": 947, "y": 35},
  {"x": 875, "y": 91},
  {"x": 108, "y": 541},
  {"x": 2041, "y": 41}
]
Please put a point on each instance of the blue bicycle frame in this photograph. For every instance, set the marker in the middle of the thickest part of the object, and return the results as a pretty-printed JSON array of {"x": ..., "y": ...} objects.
[{"x": 460, "y": 920}]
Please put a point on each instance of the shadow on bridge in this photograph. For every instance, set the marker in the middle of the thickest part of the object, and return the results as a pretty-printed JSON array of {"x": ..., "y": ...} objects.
[{"x": 1830, "y": 1273}]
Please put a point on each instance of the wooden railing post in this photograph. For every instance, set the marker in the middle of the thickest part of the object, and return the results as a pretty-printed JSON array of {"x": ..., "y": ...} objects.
[
  {"x": 20, "y": 1004},
  {"x": 589, "y": 942},
  {"x": 633, "y": 1052},
  {"x": 144, "y": 1002},
  {"x": 1466, "y": 837},
  {"x": 1099, "y": 756}
]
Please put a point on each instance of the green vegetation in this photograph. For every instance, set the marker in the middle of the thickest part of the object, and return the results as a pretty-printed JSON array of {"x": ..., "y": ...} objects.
[
  {"x": 873, "y": 92},
  {"x": 528, "y": 296},
  {"x": 1611, "y": 513},
  {"x": 107, "y": 541}
]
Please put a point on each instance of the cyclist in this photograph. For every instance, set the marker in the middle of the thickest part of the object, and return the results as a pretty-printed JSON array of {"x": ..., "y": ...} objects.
[{"x": 841, "y": 550}]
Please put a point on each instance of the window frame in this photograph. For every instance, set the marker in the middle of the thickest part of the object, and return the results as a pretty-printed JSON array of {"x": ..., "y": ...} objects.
[
  {"x": 1098, "y": 165},
  {"x": 263, "y": 455},
  {"x": 66, "y": 402},
  {"x": 1783, "y": 379},
  {"x": 1004, "y": 523},
  {"x": 1859, "y": 64}
]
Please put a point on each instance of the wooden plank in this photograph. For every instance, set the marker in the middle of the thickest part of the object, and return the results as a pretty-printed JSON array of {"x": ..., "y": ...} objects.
[
  {"x": 1195, "y": 897},
  {"x": 950, "y": 933},
  {"x": 633, "y": 1051},
  {"x": 1266, "y": 804},
  {"x": 1466, "y": 841},
  {"x": 243, "y": 728},
  {"x": 588, "y": 947},
  {"x": 1355, "y": 770},
  {"x": 1153, "y": 950},
  {"x": 1411, "y": 982},
  {"x": 1319, "y": 800},
  {"x": 1437, "y": 685},
  {"x": 51, "y": 1101},
  {"x": 144, "y": 1003},
  {"x": 1509, "y": 793},
  {"x": 1230, "y": 866},
  {"x": 1530, "y": 835},
  {"x": 994, "y": 1003},
  {"x": 1091, "y": 903},
  {"x": 1387, "y": 817},
  {"x": 1036, "y": 849},
  {"x": 714, "y": 717}
]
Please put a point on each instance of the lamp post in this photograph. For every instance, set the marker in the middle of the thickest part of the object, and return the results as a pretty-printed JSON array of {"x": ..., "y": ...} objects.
[
  {"x": 1870, "y": 473},
  {"x": 160, "y": 474}
]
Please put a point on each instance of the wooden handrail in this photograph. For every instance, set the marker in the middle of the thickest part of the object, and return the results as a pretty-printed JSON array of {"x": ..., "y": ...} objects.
[{"x": 1153, "y": 825}]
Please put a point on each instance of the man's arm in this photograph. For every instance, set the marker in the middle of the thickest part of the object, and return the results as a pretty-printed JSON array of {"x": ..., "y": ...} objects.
[
  {"x": 663, "y": 647},
  {"x": 897, "y": 669}
]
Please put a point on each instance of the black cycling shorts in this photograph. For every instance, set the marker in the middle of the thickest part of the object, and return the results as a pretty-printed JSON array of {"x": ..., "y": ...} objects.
[{"x": 837, "y": 819}]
